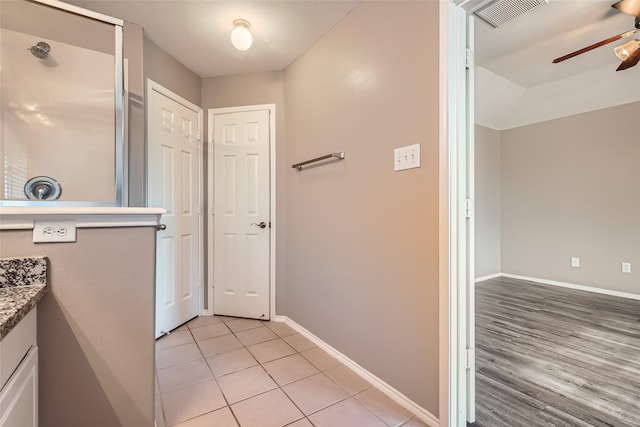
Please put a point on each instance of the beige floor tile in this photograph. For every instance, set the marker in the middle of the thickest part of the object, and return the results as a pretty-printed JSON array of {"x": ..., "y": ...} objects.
[
  {"x": 301, "y": 423},
  {"x": 271, "y": 350},
  {"x": 348, "y": 380},
  {"x": 192, "y": 401},
  {"x": 209, "y": 331},
  {"x": 270, "y": 409},
  {"x": 173, "y": 339},
  {"x": 246, "y": 383},
  {"x": 178, "y": 354},
  {"x": 348, "y": 413},
  {"x": 182, "y": 375},
  {"x": 320, "y": 358},
  {"x": 385, "y": 408},
  {"x": 158, "y": 412},
  {"x": 314, "y": 393},
  {"x": 219, "y": 418},
  {"x": 231, "y": 361},
  {"x": 289, "y": 369},
  {"x": 280, "y": 328},
  {"x": 203, "y": 321},
  {"x": 256, "y": 335},
  {"x": 237, "y": 325},
  {"x": 219, "y": 345},
  {"x": 299, "y": 342},
  {"x": 414, "y": 422}
]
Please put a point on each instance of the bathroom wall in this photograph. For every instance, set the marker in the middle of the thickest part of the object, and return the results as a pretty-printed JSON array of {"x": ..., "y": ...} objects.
[
  {"x": 362, "y": 240},
  {"x": 95, "y": 327},
  {"x": 165, "y": 70}
]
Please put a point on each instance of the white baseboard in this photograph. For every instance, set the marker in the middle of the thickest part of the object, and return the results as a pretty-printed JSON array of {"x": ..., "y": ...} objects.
[
  {"x": 487, "y": 277},
  {"x": 424, "y": 415},
  {"x": 574, "y": 286}
]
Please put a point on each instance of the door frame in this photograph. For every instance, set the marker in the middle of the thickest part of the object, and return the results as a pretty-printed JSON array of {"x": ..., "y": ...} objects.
[
  {"x": 156, "y": 87},
  {"x": 455, "y": 250},
  {"x": 211, "y": 112}
]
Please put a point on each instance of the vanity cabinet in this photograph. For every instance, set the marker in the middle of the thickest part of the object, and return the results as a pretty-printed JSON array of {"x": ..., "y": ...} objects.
[{"x": 19, "y": 375}]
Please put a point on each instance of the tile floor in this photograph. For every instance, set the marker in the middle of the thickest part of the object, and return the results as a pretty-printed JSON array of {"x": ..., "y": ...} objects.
[{"x": 228, "y": 372}]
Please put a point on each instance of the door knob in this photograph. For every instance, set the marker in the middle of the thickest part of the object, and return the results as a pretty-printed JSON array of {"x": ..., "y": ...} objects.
[{"x": 261, "y": 225}]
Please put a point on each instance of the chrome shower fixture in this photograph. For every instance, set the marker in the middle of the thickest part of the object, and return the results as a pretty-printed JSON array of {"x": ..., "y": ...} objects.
[{"x": 40, "y": 50}]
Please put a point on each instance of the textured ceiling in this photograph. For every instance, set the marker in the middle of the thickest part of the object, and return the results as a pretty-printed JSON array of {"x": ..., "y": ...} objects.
[{"x": 196, "y": 33}]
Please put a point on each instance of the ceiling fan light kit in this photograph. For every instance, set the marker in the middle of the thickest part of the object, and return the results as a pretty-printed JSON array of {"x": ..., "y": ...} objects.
[
  {"x": 626, "y": 50},
  {"x": 629, "y": 52}
]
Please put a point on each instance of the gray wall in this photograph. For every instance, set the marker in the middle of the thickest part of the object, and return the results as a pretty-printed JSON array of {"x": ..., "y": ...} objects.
[
  {"x": 254, "y": 89},
  {"x": 165, "y": 70},
  {"x": 95, "y": 326},
  {"x": 487, "y": 201},
  {"x": 570, "y": 188},
  {"x": 362, "y": 240}
]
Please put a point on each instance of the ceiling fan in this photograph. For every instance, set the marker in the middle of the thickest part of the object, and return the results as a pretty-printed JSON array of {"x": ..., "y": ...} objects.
[{"x": 629, "y": 52}]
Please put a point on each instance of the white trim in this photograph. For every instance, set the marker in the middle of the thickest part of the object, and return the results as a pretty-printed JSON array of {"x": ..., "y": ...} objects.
[
  {"x": 487, "y": 277},
  {"x": 153, "y": 86},
  {"x": 23, "y": 218},
  {"x": 573, "y": 286},
  {"x": 424, "y": 415},
  {"x": 447, "y": 311},
  {"x": 211, "y": 112},
  {"x": 81, "y": 11}
]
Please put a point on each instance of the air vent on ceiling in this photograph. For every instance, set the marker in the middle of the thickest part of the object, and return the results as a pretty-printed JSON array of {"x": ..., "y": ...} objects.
[{"x": 498, "y": 12}]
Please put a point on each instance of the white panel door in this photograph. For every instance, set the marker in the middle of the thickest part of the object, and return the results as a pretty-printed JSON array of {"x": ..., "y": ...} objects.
[
  {"x": 174, "y": 183},
  {"x": 241, "y": 214}
]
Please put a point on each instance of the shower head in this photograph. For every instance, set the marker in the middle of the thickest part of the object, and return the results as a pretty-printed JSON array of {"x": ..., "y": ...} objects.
[{"x": 40, "y": 50}]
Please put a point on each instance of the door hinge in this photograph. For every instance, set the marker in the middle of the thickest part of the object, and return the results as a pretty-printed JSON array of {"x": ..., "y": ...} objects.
[
  {"x": 468, "y": 208},
  {"x": 469, "y": 358},
  {"x": 468, "y": 59},
  {"x": 199, "y": 209},
  {"x": 199, "y": 135}
]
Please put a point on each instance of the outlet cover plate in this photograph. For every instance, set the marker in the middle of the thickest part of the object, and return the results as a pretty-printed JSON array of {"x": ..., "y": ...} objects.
[{"x": 54, "y": 232}]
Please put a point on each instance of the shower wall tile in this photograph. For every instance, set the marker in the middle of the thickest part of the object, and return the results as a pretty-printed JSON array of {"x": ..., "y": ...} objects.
[{"x": 23, "y": 271}]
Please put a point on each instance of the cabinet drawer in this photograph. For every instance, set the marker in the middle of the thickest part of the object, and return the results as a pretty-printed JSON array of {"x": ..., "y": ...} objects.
[{"x": 16, "y": 344}]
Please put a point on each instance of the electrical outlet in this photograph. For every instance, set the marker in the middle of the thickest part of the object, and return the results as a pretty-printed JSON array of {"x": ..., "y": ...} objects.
[
  {"x": 626, "y": 267},
  {"x": 406, "y": 157},
  {"x": 575, "y": 261},
  {"x": 54, "y": 232}
]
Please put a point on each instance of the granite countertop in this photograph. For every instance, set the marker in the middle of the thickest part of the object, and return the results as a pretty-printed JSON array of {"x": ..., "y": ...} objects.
[
  {"x": 22, "y": 285},
  {"x": 16, "y": 302}
]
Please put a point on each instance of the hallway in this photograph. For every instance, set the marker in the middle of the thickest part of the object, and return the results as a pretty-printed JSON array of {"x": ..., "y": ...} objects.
[{"x": 230, "y": 372}]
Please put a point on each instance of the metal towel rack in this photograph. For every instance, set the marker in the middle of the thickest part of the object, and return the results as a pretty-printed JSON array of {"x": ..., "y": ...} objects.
[{"x": 337, "y": 156}]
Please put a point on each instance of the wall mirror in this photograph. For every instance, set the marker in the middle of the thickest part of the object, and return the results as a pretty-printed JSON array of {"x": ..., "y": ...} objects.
[{"x": 61, "y": 100}]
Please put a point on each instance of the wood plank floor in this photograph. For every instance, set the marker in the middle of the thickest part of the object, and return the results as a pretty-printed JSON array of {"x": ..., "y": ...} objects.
[{"x": 551, "y": 356}]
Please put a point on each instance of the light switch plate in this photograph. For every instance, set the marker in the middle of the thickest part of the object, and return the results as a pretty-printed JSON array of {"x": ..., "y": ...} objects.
[
  {"x": 54, "y": 232},
  {"x": 406, "y": 157},
  {"x": 575, "y": 261},
  {"x": 626, "y": 267}
]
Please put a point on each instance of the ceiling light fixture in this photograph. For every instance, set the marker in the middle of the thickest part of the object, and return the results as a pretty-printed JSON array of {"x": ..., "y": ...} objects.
[
  {"x": 241, "y": 36},
  {"x": 624, "y": 51}
]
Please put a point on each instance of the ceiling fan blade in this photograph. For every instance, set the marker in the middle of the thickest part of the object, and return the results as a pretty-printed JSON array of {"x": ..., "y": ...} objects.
[
  {"x": 595, "y": 45},
  {"x": 632, "y": 7},
  {"x": 632, "y": 60}
]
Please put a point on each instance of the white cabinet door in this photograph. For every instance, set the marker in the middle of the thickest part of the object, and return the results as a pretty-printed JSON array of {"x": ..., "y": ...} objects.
[{"x": 19, "y": 397}]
